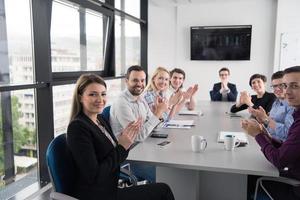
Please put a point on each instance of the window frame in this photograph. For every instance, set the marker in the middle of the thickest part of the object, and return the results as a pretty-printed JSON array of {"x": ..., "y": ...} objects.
[{"x": 45, "y": 79}]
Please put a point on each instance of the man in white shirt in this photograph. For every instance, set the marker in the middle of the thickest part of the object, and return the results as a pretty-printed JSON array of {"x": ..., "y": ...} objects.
[
  {"x": 131, "y": 105},
  {"x": 177, "y": 77}
]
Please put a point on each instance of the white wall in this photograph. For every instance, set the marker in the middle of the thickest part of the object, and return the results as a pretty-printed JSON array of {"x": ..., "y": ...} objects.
[
  {"x": 169, "y": 39},
  {"x": 288, "y": 21},
  {"x": 161, "y": 36}
]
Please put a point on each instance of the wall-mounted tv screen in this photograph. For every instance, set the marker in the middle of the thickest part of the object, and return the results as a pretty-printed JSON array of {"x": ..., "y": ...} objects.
[{"x": 221, "y": 42}]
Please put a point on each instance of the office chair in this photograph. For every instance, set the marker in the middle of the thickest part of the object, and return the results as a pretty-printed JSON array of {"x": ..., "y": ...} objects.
[
  {"x": 280, "y": 179},
  {"x": 211, "y": 94},
  {"x": 62, "y": 170},
  {"x": 144, "y": 173},
  {"x": 106, "y": 113}
]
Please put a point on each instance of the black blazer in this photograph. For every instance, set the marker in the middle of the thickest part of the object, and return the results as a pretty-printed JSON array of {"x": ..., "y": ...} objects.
[
  {"x": 215, "y": 94},
  {"x": 96, "y": 159},
  {"x": 266, "y": 101}
]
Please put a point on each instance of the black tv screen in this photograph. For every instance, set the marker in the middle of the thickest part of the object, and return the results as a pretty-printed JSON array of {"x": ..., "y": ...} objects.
[{"x": 221, "y": 42}]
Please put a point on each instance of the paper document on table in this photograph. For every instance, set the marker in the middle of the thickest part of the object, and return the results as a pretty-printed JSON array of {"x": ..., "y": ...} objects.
[
  {"x": 241, "y": 136},
  {"x": 186, "y": 124},
  {"x": 190, "y": 112}
]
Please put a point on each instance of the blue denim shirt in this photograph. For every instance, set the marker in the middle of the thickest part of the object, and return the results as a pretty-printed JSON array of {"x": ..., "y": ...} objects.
[{"x": 281, "y": 113}]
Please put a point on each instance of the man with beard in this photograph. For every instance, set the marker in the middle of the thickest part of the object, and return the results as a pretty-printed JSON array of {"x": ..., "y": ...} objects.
[{"x": 130, "y": 105}]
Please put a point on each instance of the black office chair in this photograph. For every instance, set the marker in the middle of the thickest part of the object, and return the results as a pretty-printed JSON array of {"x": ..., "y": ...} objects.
[
  {"x": 284, "y": 180},
  {"x": 62, "y": 169},
  {"x": 211, "y": 95}
]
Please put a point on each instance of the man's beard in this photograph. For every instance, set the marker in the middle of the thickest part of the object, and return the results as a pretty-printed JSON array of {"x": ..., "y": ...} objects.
[{"x": 135, "y": 92}]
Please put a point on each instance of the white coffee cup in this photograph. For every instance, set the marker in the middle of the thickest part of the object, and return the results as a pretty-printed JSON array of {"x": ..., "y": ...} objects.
[
  {"x": 199, "y": 143},
  {"x": 230, "y": 142}
]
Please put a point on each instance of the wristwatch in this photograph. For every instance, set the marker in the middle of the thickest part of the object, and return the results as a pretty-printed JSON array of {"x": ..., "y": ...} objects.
[{"x": 266, "y": 122}]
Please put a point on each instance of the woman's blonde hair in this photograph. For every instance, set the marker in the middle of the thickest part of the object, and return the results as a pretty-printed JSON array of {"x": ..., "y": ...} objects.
[
  {"x": 83, "y": 81},
  {"x": 151, "y": 84}
]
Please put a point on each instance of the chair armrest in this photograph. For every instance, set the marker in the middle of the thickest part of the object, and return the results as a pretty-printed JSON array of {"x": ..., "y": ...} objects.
[
  {"x": 130, "y": 175},
  {"x": 281, "y": 179},
  {"x": 60, "y": 196}
]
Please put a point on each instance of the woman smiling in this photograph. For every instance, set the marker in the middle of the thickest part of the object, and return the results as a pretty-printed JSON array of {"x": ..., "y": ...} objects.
[{"x": 262, "y": 97}]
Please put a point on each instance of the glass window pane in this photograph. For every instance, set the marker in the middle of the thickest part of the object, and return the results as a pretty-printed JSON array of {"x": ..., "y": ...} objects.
[
  {"x": 62, "y": 100},
  {"x": 18, "y": 124},
  {"x": 114, "y": 88},
  {"x": 16, "y": 65},
  {"x": 127, "y": 44},
  {"x": 94, "y": 39},
  {"x": 74, "y": 48},
  {"x": 131, "y": 7},
  {"x": 65, "y": 48}
]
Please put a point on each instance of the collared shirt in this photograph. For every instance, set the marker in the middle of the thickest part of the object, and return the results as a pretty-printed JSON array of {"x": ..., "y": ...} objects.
[
  {"x": 284, "y": 155},
  {"x": 224, "y": 94},
  {"x": 281, "y": 113},
  {"x": 150, "y": 96},
  {"x": 127, "y": 109}
]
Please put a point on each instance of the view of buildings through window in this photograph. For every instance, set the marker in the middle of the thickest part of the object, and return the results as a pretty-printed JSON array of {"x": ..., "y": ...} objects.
[{"x": 68, "y": 53}]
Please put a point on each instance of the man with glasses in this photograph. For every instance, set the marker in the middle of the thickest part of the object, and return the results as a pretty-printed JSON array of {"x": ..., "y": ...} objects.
[
  {"x": 285, "y": 155},
  {"x": 223, "y": 91},
  {"x": 280, "y": 118}
]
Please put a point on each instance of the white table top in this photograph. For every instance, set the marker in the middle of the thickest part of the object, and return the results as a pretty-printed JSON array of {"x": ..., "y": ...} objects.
[{"x": 178, "y": 154}]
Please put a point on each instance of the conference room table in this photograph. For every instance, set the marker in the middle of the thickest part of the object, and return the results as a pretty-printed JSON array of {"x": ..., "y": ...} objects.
[{"x": 210, "y": 175}]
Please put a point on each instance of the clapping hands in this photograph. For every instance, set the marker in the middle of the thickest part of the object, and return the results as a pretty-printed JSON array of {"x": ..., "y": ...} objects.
[
  {"x": 160, "y": 106},
  {"x": 129, "y": 133},
  {"x": 245, "y": 98},
  {"x": 190, "y": 92},
  {"x": 260, "y": 114},
  {"x": 251, "y": 127}
]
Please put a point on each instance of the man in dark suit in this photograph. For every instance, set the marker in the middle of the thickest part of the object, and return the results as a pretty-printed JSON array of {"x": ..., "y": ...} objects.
[{"x": 223, "y": 91}]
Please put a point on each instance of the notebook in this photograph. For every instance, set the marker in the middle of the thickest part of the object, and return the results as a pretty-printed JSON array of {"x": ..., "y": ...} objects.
[
  {"x": 239, "y": 135},
  {"x": 190, "y": 112},
  {"x": 181, "y": 124}
]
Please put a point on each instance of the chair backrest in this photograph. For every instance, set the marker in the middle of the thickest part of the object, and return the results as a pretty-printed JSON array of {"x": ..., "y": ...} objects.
[
  {"x": 106, "y": 113},
  {"x": 210, "y": 94},
  {"x": 61, "y": 166}
]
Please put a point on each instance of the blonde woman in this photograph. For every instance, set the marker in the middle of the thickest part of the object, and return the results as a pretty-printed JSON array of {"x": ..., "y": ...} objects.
[{"x": 156, "y": 92}]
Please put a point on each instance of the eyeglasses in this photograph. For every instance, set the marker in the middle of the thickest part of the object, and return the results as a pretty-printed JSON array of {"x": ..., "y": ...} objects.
[
  {"x": 279, "y": 86},
  {"x": 292, "y": 86}
]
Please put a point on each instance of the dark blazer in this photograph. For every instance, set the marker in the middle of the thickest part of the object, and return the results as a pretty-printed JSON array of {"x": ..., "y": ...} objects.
[
  {"x": 266, "y": 101},
  {"x": 215, "y": 94},
  {"x": 96, "y": 159}
]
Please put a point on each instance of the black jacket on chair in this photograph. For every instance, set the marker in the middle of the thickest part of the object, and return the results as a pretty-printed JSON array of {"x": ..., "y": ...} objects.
[
  {"x": 96, "y": 159},
  {"x": 215, "y": 94}
]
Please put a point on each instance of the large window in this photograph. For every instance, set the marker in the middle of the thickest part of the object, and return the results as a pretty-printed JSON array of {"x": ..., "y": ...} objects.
[
  {"x": 18, "y": 150},
  {"x": 45, "y": 45},
  {"x": 128, "y": 40},
  {"x": 17, "y": 48},
  {"x": 77, "y": 38},
  {"x": 18, "y": 141},
  {"x": 131, "y": 7}
]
